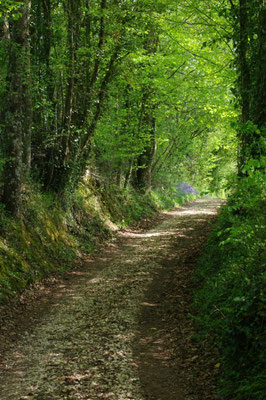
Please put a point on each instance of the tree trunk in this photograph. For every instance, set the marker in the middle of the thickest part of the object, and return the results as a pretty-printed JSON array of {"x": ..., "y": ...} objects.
[
  {"x": 17, "y": 120},
  {"x": 244, "y": 80},
  {"x": 26, "y": 94},
  {"x": 128, "y": 173},
  {"x": 258, "y": 106},
  {"x": 144, "y": 163}
]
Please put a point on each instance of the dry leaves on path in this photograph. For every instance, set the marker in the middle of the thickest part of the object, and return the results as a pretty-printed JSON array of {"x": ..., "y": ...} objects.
[{"x": 119, "y": 327}]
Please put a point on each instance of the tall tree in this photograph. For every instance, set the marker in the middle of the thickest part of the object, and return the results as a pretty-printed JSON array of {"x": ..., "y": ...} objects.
[
  {"x": 249, "y": 33},
  {"x": 17, "y": 109}
]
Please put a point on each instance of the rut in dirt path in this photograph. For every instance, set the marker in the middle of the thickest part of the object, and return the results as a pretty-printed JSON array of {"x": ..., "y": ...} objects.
[{"x": 119, "y": 328}]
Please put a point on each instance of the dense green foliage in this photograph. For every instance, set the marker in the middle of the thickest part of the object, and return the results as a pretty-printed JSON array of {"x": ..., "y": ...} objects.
[
  {"x": 128, "y": 90},
  {"x": 106, "y": 106},
  {"x": 231, "y": 303},
  {"x": 232, "y": 300}
]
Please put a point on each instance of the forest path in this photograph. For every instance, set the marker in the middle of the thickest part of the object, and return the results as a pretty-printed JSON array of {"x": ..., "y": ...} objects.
[{"x": 117, "y": 328}]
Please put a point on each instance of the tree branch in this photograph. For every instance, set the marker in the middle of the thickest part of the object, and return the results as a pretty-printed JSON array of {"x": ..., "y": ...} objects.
[{"x": 180, "y": 66}]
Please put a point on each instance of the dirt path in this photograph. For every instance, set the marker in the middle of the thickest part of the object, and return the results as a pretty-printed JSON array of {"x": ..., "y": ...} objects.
[{"x": 118, "y": 328}]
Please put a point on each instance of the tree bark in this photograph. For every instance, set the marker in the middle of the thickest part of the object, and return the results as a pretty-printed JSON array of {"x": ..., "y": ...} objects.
[
  {"x": 26, "y": 93},
  {"x": 143, "y": 179},
  {"x": 17, "y": 119},
  {"x": 252, "y": 64},
  {"x": 258, "y": 107}
]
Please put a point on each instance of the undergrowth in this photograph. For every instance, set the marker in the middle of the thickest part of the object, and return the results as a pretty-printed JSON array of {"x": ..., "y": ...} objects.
[
  {"x": 51, "y": 233},
  {"x": 231, "y": 301},
  {"x": 171, "y": 197},
  {"x": 46, "y": 239}
]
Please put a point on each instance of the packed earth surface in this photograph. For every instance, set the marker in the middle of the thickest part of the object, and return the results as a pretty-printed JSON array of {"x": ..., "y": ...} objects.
[{"x": 119, "y": 326}]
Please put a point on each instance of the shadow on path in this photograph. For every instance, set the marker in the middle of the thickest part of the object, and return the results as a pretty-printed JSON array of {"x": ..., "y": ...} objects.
[
  {"x": 118, "y": 326},
  {"x": 172, "y": 365}
]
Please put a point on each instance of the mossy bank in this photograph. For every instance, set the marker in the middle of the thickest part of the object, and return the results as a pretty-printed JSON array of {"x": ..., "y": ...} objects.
[{"x": 52, "y": 232}]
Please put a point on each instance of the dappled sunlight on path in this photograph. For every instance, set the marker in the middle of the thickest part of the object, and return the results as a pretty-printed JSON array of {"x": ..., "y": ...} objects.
[{"x": 118, "y": 327}]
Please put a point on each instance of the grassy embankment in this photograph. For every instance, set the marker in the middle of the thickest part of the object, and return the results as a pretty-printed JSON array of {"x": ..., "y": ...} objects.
[{"x": 48, "y": 237}]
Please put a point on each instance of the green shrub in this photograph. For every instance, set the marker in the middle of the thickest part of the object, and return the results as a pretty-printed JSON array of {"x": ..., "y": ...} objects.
[
  {"x": 169, "y": 198},
  {"x": 231, "y": 301}
]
